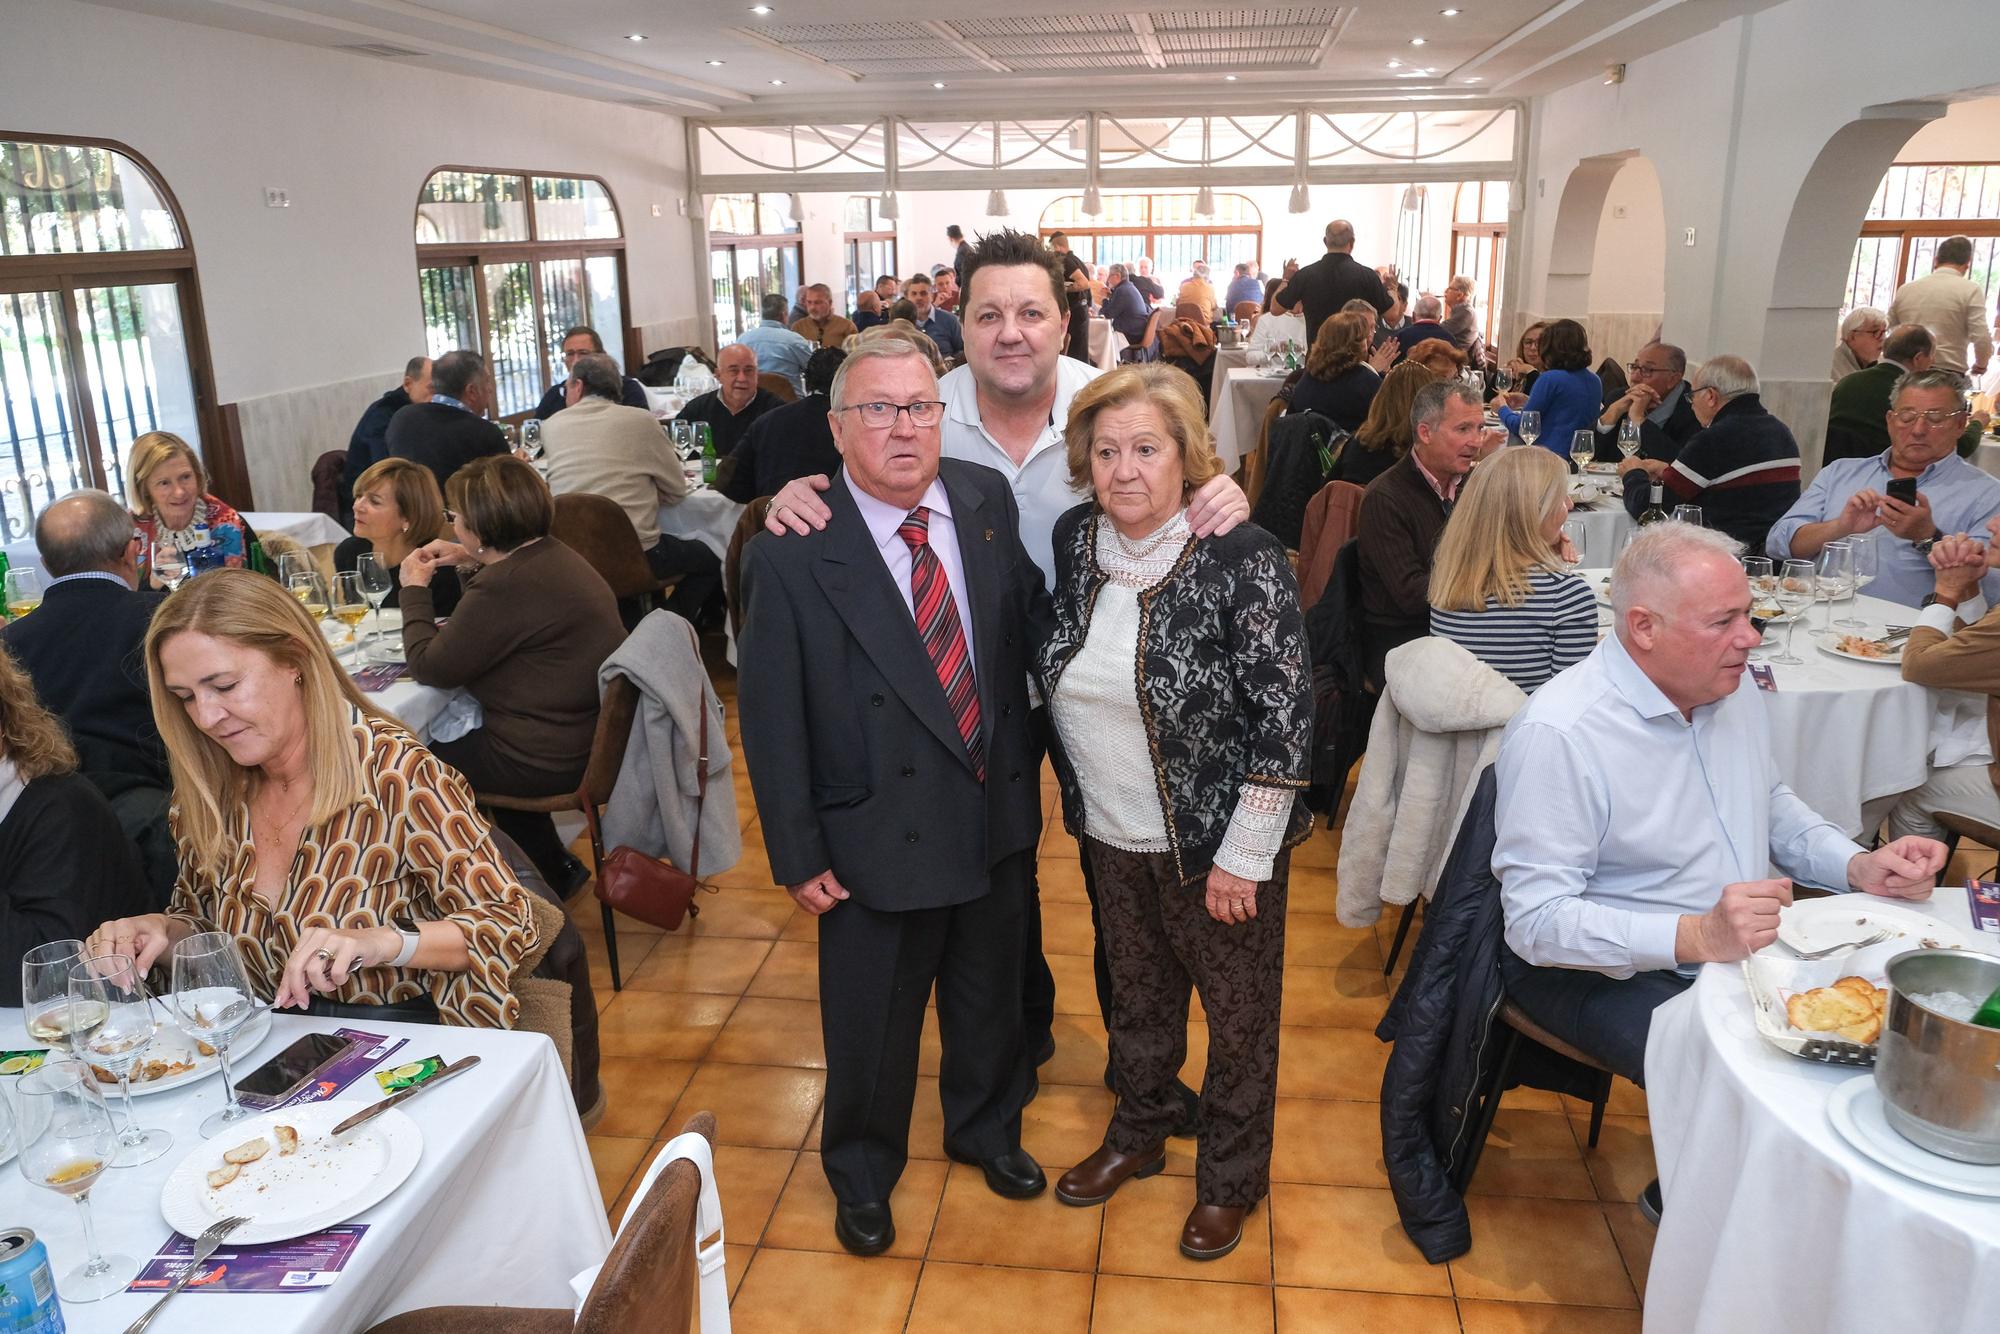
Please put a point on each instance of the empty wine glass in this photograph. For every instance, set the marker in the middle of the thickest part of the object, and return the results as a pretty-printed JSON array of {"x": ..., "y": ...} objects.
[
  {"x": 1690, "y": 514},
  {"x": 170, "y": 567},
  {"x": 682, "y": 434},
  {"x": 348, "y": 603},
  {"x": 45, "y": 972},
  {"x": 1582, "y": 448},
  {"x": 67, "y": 1141},
  {"x": 112, "y": 1023},
  {"x": 1833, "y": 580},
  {"x": 371, "y": 575},
  {"x": 1573, "y": 529},
  {"x": 1628, "y": 437},
  {"x": 1528, "y": 426},
  {"x": 213, "y": 997},
  {"x": 1503, "y": 380},
  {"x": 1794, "y": 594},
  {"x": 1862, "y": 552}
]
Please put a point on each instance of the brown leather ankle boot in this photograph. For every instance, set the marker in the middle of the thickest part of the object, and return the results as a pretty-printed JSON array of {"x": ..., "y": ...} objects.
[
  {"x": 1098, "y": 1177},
  {"x": 1212, "y": 1231}
]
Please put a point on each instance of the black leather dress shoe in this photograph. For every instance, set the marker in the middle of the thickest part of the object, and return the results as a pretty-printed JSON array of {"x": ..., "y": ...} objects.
[
  {"x": 865, "y": 1229},
  {"x": 1014, "y": 1175}
]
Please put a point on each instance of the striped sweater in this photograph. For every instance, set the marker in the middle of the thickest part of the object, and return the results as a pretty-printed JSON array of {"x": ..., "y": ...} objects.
[{"x": 1555, "y": 627}]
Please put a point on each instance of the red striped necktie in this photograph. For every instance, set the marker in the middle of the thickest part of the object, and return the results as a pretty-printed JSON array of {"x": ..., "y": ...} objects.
[{"x": 943, "y": 635}]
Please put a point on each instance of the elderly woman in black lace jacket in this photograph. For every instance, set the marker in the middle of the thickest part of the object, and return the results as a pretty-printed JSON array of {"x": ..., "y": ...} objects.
[{"x": 1179, "y": 690}]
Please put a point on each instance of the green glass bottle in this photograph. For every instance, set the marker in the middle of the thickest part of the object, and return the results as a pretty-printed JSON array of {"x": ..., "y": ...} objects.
[
  {"x": 706, "y": 436},
  {"x": 1988, "y": 1014},
  {"x": 3, "y": 583}
]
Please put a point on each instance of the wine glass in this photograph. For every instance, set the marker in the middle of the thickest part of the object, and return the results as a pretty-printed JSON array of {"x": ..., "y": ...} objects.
[
  {"x": 213, "y": 997},
  {"x": 112, "y": 1023},
  {"x": 1863, "y": 553},
  {"x": 349, "y": 603},
  {"x": 371, "y": 576},
  {"x": 45, "y": 973},
  {"x": 682, "y": 434},
  {"x": 1628, "y": 437},
  {"x": 1763, "y": 588},
  {"x": 531, "y": 439},
  {"x": 24, "y": 592},
  {"x": 1503, "y": 380},
  {"x": 1834, "y": 579},
  {"x": 1582, "y": 448},
  {"x": 1528, "y": 426},
  {"x": 1573, "y": 529},
  {"x": 1794, "y": 594},
  {"x": 310, "y": 590},
  {"x": 1689, "y": 514},
  {"x": 66, "y": 1142},
  {"x": 170, "y": 567}
]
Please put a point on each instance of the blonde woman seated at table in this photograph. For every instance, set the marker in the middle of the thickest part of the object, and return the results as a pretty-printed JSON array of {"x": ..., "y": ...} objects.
[
  {"x": 1501, "y": 586},
  {"x": 532, "y": 628},
  {"x": 382, "y": 895},
  {"x": 397, "y": 510},
  {"x": 170, "y": 500}
]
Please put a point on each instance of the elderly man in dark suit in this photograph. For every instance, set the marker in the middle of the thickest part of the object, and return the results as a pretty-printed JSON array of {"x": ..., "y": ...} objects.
[{"x": 885, "y": 722}]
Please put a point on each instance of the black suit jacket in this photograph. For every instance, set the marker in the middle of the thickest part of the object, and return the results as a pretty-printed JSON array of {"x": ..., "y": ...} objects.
[
  {"x": 1330, "y": 282},
  {"x": 84, "y": 648},
  {"x": 854, "y": 755},
  {"x": 791, "y": 440},
  {"x": 65, "y": 866},
  {"x": 369, "y": 444},
  {"x": 1656, "y": 441},
  {"x": 442, "y": 438}
]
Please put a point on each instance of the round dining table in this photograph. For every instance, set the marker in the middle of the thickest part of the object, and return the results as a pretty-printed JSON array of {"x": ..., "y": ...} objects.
[{"x": 1773, "y": 1220}]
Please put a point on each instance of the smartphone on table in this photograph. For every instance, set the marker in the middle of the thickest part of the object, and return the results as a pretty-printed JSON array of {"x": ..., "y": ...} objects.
[{"x": 293, "y": 1068}]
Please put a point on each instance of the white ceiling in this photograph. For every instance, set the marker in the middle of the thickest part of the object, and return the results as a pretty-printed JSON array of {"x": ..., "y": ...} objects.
[{"x": 844, "y": 58}]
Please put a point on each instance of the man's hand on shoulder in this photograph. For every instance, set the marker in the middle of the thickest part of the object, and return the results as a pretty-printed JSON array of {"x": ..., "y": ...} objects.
[
  {"x": 1905, "y": 869},
  {"x": 1217, "y": 507},
  {"x": 797, "y": 507}
]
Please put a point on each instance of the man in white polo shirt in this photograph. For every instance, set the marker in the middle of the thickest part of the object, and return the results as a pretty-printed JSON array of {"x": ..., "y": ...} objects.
[{"x": 1006, "y": 408}]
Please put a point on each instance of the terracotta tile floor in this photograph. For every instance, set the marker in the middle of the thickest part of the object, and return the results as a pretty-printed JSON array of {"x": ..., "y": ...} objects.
[{"x": 724, "y": 1017}]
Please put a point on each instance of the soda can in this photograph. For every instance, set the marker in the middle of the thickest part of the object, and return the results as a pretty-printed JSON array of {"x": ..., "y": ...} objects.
[{"x": 28, "y": 1301}]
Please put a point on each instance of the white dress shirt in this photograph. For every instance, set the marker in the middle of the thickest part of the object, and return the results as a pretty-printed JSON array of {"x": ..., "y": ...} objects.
[
  {"x": 883, "y": 519},
  {"x": 1041, "y": 480},
  {"x": 1617, "y": 815},
  {"x": 1958, "y": 729}
]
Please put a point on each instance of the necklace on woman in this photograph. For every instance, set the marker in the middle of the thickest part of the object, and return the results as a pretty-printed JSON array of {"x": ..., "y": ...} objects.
[{"x": 1146, "y": 546}]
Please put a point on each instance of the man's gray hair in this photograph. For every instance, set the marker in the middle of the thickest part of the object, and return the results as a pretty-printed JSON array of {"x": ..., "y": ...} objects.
[
  {"x": 1863, "y": 317},
  {"x": 1361, "y": 305},
  {"x": 774, "y": 306},
  {"x": 454, "y": 372},
  {"x": 1427, "y": 308},
  {"x": 1677, "y": 358},
  {"x": 85, "y": 530},
  {"x": 1461, "y": 283},
  {"x": 866, "y": 350},
  {"x": 1656, "y": 562},
  {"x": 1935, "y": 378},
  {"x": 1906, "y": 342},
  {"x": 599, "y": 374},
  {"x": 1200, "y": 269},
  {"x": 413, "y": 369},
  {"x": 1429, "y": 404},
  {"x": 1726, "y": 375},
  {"x": 1340, "y": 235},
  {"x": 1119, "y": 269}
]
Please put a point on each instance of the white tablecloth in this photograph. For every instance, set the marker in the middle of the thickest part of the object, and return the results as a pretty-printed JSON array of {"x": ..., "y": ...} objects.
[
  {"x": 1105, "y": 343},
  {"x": 1606, "y": 525},
  {"x": 413, "y": 705},
  {"x": 1231, "y": 358},
  {"x": 1987, "y": 456},
  {"x": 705, "y": 515},
  {"x": 502, "y": 1209},
  {"x": 1236, "y": 412},
  {"x": 1773, "y": 1221}
]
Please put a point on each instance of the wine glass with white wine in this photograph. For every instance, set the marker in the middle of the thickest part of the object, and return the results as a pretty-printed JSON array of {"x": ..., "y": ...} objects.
[
  {"x": 1528, "y": 426},
  {"x": 113, "y": 1020},
  {"x": 310, "y": 590},
  {"x": 349, "y": 603},
  {"x": 45, "y": 1006},
  {"x": 67, "y": 1141},
  {"x": 1582, "y": 449},
  {"x": 24, "y": 592}
]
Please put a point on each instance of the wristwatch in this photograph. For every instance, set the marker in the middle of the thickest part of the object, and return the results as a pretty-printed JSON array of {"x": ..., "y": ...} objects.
[
  {"x": 1923, "y": 548},
  {"x": 409, "y": 951}
]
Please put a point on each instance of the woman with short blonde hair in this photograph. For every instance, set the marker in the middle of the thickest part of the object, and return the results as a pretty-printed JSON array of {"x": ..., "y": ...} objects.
[
  {"x": 397, "y": 510},
  {"x": 1501, "y": 583},
  {"x": 171, "y": 501}
]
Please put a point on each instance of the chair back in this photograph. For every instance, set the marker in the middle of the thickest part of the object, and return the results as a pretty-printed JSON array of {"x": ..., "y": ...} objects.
[
  {"x": 1245, "y": 312},
  {"x": 615, "y": 714},
  {"x": 596, "y": 529},
  {"x": 778, "y": 387},
  {"x": 748, "y": 525},
  {"x": 648, "y": 1279},
  {"x": 1148, "y": 346},
  {"x": 328, "y": 471},
  {"x": 1330, "y": 520}
]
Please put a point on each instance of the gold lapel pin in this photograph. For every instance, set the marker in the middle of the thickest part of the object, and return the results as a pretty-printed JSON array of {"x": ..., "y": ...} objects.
[{"x": 989, "y": 534}]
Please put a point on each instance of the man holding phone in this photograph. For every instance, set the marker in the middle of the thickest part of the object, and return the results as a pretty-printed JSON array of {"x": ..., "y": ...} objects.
[{"x": 1906, "y": 498}]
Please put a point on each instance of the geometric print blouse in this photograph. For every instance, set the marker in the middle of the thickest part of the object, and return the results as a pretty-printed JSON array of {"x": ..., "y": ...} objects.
[{"x": 412, "y": 849}]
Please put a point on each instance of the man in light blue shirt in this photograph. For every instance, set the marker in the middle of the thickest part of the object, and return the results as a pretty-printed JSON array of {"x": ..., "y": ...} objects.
[
  {"x": 1243, "y": 287},
  {"x": 779, "y": 350},
  {"x": 1850, "y": 497},
  {"x": 1640, "y": 811}
]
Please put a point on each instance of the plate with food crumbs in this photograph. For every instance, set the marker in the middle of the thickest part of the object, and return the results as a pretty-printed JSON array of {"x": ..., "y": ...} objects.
[
  {"x": 179, "y": 1057},
  {"x": 1863, "y": 649},
  {"x": 289, "y": 1174},
  {"x": 1810, "y": 925}
]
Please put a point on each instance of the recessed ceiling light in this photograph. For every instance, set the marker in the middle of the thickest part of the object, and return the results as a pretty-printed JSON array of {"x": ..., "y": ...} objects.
[
  {"x": 1395, "y": 64},
  {"x": 715, "y": 62},
  {"x": 1416, "y": 41},
  {"x": 1229, "y": 78},
  {"x": 760, "y": 10},
  {"x": 1473, "y": 78},
  {"x": 1449, "y": 13},
  {"x": 777, "y": 83},
  {"x": 635, "y": 36}
]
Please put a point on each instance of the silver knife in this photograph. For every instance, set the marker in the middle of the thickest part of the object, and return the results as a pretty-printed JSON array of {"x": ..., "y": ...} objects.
[{"x": 457, "y": 1067}]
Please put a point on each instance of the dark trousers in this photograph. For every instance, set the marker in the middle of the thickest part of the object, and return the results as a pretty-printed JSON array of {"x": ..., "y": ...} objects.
[
  {"x": 1079, "y": 333},
  {"x": 1038, "y": 984},
  {"x": 475, "y": 756},
  {"x": 1162, "y": 944},
  {"x": 1606, "y": 1017},
  {"x": 697, "y": 569},
  {"x": 876, "y": 971}
]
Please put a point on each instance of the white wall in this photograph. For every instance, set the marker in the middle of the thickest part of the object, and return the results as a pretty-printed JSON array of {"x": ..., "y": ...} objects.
[
  {"x": 1969, "y": 132},
  {"x": 1629, "y": 267},
  {"x": 324, "y": 293}
]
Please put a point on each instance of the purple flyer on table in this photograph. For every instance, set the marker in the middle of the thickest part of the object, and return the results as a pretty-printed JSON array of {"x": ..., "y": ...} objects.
[
  {"x": 1985, "y": 899},
  {"x": 364, "y": 1052},
  {"x": 302, "y": 1264}
]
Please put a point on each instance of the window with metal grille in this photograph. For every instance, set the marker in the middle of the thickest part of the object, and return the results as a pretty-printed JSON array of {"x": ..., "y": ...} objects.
[
  {"x": 1917, "y": 205},
  {"x": 507, "y": 260},
  {"x": 1166, "y": 229},
  {"x": 753, "y": 248}
]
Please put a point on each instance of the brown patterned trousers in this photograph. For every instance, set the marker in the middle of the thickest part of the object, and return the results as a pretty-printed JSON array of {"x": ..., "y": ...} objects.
[{"x": 1162, "y": 944}]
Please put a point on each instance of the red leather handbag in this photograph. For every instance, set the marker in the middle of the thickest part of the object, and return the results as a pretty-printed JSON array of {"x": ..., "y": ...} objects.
[{"x": 649, "y": 889}]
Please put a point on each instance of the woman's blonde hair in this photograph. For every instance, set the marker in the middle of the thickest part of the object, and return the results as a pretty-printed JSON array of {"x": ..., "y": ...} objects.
[
  {"x": 30, "y": 736},
  {"x": 1169, "y": 391},
  {"x": 1387, "y": 425},
  {"x": 1494, "y": 540},
  {"x": 1340, "y": 344},
  {"x": 416, "y": 493},
  {"x": 252, "y": 612},
  {"x": 149, "y": 451}
]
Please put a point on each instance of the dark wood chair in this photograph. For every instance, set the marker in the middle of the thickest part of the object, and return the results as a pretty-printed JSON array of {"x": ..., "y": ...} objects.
[
  {"x": 1148, "y": 346},
  {"x": 1520, "y": 1028},
  {"x": 1962, "y": 827},
  {"x": 615, "y": 713},
  {"x": 778, "y": 386},
  {"x": 596, "y": 529},
  {"x": 748, "y": 525},
  {"x": 648, "y": 1280}
]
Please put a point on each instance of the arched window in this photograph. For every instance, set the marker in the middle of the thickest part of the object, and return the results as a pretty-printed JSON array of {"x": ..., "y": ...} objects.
[
  {"x": 1479, "y": 245},
  {"x": 507, "y": 260},
  {"x": 870, "y": 242},
  {"x": 100, "y": 331},
  {"x": 1165, "y": 228},
  {"x": 753, "y": 249}
]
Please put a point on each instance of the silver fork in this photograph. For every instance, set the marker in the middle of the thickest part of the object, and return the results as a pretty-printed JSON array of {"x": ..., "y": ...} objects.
[
  {"x": 204, "y": 1246},
  {"x": 1875, "y": 939}
]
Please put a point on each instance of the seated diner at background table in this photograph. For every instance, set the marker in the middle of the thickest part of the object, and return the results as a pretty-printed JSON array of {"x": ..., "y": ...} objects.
[
  {"x": 1955, "y": 645},
  {"x": 397, "y": 510},
  {"x": 1342, "y": 374},
  {"x": 534, "y": 624},
  {"x": 1566, "y": 392},
  {"x": 449, "y": 429},
  {"x": 1850, "y": 497},
  {"x": 735, "y": 402},
  {"x": 795, "y": 440},
  {"x": 1613, "y": 895},
  {"x": 273, "y": 747},
  {"x": 1278, "y": 323},
  {"x": 1386, "y": 433},
  {"x": 1501, "y": 582},
  {"x": 1657, "y": 397},
  {"x": 170, "y": 499},
  {"x": 64, "y": 863},
  {"x": 1526, "y": 365}
]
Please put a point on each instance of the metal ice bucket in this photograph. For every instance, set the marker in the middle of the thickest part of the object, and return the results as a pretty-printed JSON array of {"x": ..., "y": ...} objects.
[{"x": 1940, "y": 1077}]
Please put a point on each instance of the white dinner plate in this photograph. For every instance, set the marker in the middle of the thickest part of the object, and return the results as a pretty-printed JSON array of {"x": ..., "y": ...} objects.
[
  {"x": 1894, "y": 659},
  {"x": 1856, "y": 1112},
  {"x": 172, "y": 1044},
  {"x": 326, "y": 1181},
  {"x": 1601, "y": 469},
  {"x": 1814, "y": 924}
]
